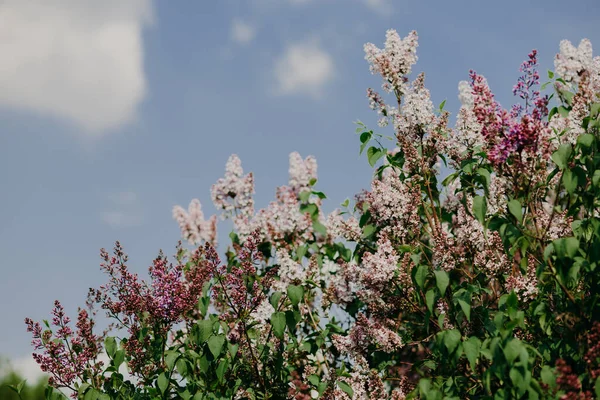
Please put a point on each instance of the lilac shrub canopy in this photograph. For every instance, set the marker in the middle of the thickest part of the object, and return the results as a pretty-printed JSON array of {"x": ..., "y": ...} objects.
[{"x": 483, "y": 285}]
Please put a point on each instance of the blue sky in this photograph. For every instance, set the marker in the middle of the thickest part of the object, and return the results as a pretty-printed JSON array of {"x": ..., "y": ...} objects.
[{"x": 113, "y": 112}]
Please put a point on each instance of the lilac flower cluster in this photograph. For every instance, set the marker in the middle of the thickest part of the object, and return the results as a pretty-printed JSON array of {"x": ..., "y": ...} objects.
[
  {"x": 67, "y": 355},
  {"x": 193, "y": 226},
  {"x": 395, "y": 61},
  {"x": 511, "y": 133},
  {"x": 234, "y": 193}
]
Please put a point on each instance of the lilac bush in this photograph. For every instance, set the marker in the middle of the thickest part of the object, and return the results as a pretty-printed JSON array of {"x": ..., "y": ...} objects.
[{"x": 482, "y": 285}]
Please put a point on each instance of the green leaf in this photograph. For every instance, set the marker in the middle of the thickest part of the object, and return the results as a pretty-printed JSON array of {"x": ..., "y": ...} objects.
[
  {"x": 374, "y": 154},
  {"x": 295, "y": 293},
  {"x": 512, "y": 350},
  {"x": 597, "y": 387},
  {"x": 442, "y": 280},
  {"x": 485, "y": 174},
  {"x": 550, "y": 74},
  {"x": 119, "y": 358},
  {"x": 451, "y": 340},
  {"x": 205, "y": 330},
  {"x": 479, "y": 208},
  {"x": 91, "y": 394},
  {"x": 466, "y": 308},
  {"x": 514, "y": 206},
  {"x": 586, "y": 140},
  {"x": 430, "y": 299},
  {"x": 368, "y": 230},
  {"x": 365, "y": 137},
  {"x": 569, "y": 180},
  {"x": 421, "y": 275},
  {"x": 181, "y": 366},
  {"x": 548, "y": 376},
  {"x": 163, "y": 382},
  {"x": 562, "y": 155},
  {"x": 566, "y": 247},
  {"x": 346, "y": 388},
  {"x": 563, "y": 112},
  {"x": 594, "y": 110},
  {"x": 278, "y": 323},
  {"x": 83, "y": 388},
  {"x": 472, "y": 347},
  {"x": 319, "y": 228},
  {"x": 596, "y": 178},
  {"x": 18, "y": 388},
  {"x": 442, "y": 105},
  {"x": 170, "y": 358},
  {"x": 304, "y": 196},
  {"x": 215, "y": 344},
  {"x": 110, "y": 344},
  {"x": 222, "y": 368},
  {"x": 275, "y": 297}
]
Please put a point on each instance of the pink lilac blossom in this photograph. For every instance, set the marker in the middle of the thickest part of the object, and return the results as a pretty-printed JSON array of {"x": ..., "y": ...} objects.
[
  {"x": 232, "y": 281},
  {"x": 233, "y": 193},
  {"x": 194, "y": 228},
  {"x": 71, "y": 355},
  {"x": 509, "y": 133},
  {"x": 395, "y": 60},
  {"x": 302, "y": 172}
]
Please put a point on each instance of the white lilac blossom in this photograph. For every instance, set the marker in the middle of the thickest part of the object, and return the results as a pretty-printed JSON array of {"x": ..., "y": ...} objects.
[
  {"x": 347, "y": 229},
  {"x": 416, "y": 115},
  {"x": 524, "y": 286},
  {"x": 263, "y": 312},
  {"x": 572, "y": 61},
  {"x": 289, "y": 271},
  {"x": 394, "y": 204},
  {"x": 301, "y": 172},
  {"x": 395, "y": 60},
  {"x": 233, "y": 193},
  {"x": 283, "y": 218},
  {"x": 466, "y": 136},
  {"x": 194, "y": 228}
]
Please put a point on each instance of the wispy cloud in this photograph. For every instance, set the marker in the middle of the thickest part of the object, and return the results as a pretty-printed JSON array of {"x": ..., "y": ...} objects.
[
  {"x": 124, "y": 210},
  {"x": 78, "y": 60},
  {"x": 242, "y": 32},
  {"x": 304, "y": 68},
  {"x": 383, "y": 7}
]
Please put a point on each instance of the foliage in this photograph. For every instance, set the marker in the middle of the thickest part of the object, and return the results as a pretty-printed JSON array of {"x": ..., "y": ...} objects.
[
  {"x": 14, "y": 387},
  {"x": 482, "y": 285}
]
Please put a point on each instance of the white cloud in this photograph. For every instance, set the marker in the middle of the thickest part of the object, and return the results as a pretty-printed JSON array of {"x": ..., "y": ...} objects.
[
  {"x": 380, "y": 6},
  {"x": 242, "y": 32},
  {"x": 79, "y": 60},
  {"x": 304, "y": 68},
  {"x": 124, "y": 212}
]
